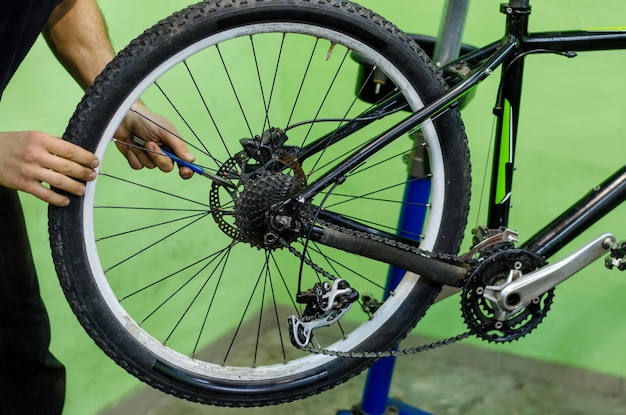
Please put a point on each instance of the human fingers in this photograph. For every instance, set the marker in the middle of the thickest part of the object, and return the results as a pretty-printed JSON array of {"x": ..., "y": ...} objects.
[
  {"x": 31, "y": 157},
  {"x": 70, "y": 168},
  {"x": 58, "y": 182},
  {"x": 155, "y": 128},
  {"x": 180, "y": 150},
  {"x": 32, "y": 180},
  {"x": 61, "y": 181},
  {"x": 177, "y": 145},
  {"x": 72, "y": 152},
  {"x": 137, "y": 158},
  {"x": 47, "y": 195},
  {"x": 165, "y": 156},
  {"x": 158, "y": 157}
]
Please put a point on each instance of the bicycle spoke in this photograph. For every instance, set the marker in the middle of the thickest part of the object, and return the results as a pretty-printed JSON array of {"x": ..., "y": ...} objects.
[
  {"x": 345, "y": 116},
  {"x": 323, "y": 101},
  {"x": 195, "y": 297},
  {"x": 277, "y": 319},
  {"x": 143, "y": 228},
  {"x": 265, "y": 102},
  {"x": 171, "y": 275},
  {"x": 290, "y": 291},
  {"x": 334, "y": 264},
  {"x": 209, "y": 113},
  {"x": 350, "y": 198},
  {"x": 212, "y": 300},
  {"x": 301, "y": 86},
  {"x": 153, "y": 189},
  {"x": 275, "y": 77},
  {"x": 153, "y": 244},
  {"x": 234, "y": 90},
  {"x": 261, "y": 309},
  {"x": 245, "y": 312}
]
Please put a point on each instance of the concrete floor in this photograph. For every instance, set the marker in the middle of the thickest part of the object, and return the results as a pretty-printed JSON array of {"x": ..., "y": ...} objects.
[{"x": 457, "y": 379}]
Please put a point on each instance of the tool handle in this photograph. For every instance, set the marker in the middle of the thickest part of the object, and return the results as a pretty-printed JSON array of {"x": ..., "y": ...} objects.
[{"x": 181, "y": 163}]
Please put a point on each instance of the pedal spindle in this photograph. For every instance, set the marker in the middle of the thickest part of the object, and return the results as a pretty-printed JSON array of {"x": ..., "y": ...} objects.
[{"x": 616, "y": 258}]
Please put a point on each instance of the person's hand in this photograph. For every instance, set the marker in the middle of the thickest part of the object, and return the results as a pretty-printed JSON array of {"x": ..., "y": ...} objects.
[
  {"x": 156, "y": 131},
  {"x": 31, "y": 158}
]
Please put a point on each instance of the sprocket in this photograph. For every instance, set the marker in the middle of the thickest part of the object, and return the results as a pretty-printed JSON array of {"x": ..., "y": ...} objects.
[
  {"x": 481, "y": 314},
  {"x": 264, "y": 174},
  {"x": 253, "y": 207}
]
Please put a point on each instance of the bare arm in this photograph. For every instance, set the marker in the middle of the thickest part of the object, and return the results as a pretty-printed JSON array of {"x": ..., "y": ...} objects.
[{"x": 77, "y": 35}]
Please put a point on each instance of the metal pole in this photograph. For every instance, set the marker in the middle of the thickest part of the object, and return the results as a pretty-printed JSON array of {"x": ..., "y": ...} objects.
[
  {"x": 375, "y": 400},
  {"x": 450, "y": 35}
]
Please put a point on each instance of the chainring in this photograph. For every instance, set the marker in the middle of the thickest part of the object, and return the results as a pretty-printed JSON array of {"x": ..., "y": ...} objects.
[{"x": 479, "y": 313}]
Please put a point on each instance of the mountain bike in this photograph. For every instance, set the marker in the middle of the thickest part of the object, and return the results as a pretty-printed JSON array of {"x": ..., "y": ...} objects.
[{"x": 263, "y": 279}]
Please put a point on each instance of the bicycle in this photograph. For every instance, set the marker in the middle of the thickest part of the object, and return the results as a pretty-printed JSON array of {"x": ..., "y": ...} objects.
[{"x": 183, "y": 283}]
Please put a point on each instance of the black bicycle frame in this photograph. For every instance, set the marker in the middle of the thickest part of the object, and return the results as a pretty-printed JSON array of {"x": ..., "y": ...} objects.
[
  {"x": 510, "y": 54},
  {"x": 598, "y": 202}
]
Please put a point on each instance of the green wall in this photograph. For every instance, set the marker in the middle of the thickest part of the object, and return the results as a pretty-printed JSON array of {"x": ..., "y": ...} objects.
[{"x": 562, "y": 122}]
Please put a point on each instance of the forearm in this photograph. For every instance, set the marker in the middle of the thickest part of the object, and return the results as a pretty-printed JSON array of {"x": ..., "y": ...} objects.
[{"x": 77, "y": 34}]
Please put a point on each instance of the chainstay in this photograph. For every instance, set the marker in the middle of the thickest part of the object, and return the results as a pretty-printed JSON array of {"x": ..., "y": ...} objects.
[
  {"x": 452, "y": 259},
  {"x": 448, "y": 258}
]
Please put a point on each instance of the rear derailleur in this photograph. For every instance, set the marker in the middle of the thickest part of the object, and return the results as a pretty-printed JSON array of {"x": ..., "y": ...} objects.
[{"x": 325, "y": 304}]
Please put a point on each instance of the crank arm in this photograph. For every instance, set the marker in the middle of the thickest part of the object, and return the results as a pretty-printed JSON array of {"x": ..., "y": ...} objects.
[{"x": 522, "y": 291}]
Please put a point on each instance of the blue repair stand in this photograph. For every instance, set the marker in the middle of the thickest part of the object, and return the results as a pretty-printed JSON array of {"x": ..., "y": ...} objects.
[{"x": 375, "y": 400}]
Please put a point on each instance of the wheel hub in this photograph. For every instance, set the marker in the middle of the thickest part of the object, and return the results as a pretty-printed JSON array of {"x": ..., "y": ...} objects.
[{"x": 270, "y": 174}]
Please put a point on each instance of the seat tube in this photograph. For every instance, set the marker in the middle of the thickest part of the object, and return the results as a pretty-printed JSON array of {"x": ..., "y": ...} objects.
[
  {"x": 519, "y": 3},
  {"x": 507, "y": 110}
]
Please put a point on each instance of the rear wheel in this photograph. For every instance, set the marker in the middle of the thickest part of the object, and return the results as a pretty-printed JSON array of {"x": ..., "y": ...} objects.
[{"x": 172, "y": 278}]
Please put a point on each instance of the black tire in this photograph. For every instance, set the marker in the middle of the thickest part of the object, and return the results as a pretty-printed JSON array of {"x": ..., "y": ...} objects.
[{"x": 113, "y": 289}]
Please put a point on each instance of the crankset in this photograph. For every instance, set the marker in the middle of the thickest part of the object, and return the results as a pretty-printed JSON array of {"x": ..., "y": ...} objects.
[
  {"x": 510, "y": 291},
  {"x": 479, "y": 301}
]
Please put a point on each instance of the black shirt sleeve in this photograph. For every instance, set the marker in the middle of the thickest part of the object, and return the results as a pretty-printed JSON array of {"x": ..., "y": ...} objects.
[{"x": 21, "y": 21}]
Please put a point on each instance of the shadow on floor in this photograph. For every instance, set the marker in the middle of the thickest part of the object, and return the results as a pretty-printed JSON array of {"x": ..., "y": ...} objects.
[{"x": 457, "y": 379}]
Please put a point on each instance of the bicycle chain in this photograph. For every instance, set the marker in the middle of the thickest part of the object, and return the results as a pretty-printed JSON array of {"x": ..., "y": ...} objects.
[
  {"x": 391, "y": 242},
  {"x": 389, "y": 353}
]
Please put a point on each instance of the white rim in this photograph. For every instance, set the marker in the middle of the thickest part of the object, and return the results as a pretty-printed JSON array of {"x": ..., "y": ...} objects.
[{"x": 355, "y": 338}]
